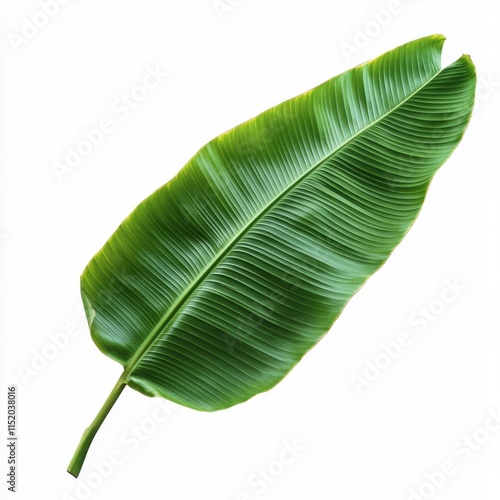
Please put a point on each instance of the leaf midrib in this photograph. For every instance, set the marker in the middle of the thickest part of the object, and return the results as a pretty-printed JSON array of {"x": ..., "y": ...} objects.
[{"x": 174, "y": 309}]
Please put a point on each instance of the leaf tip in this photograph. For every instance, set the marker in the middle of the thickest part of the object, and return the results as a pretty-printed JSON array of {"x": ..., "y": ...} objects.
[
  {"x": 439, "y": 40},
  {"x": 469, "y": 63}
]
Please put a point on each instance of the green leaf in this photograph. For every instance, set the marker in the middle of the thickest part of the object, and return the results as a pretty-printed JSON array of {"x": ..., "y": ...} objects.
[{"x": 219, "y": 282}]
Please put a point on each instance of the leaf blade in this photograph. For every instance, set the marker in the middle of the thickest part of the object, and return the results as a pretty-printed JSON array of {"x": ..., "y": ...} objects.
[{"x": 183, "y": 354}]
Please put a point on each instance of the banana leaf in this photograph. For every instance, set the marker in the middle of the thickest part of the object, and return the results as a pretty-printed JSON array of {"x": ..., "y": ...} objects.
[{"x": 218, "y": 283}]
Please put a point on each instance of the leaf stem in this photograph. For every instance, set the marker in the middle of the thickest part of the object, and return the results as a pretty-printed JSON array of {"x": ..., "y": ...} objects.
[{"x": 88, "y": 435}]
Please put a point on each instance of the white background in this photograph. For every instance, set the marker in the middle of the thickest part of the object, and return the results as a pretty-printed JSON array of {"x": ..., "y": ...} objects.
[{"x": 223, "y": 68}]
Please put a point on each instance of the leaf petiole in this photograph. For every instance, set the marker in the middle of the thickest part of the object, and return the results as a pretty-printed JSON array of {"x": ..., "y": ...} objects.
[{"x": 88, "y": 435}]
